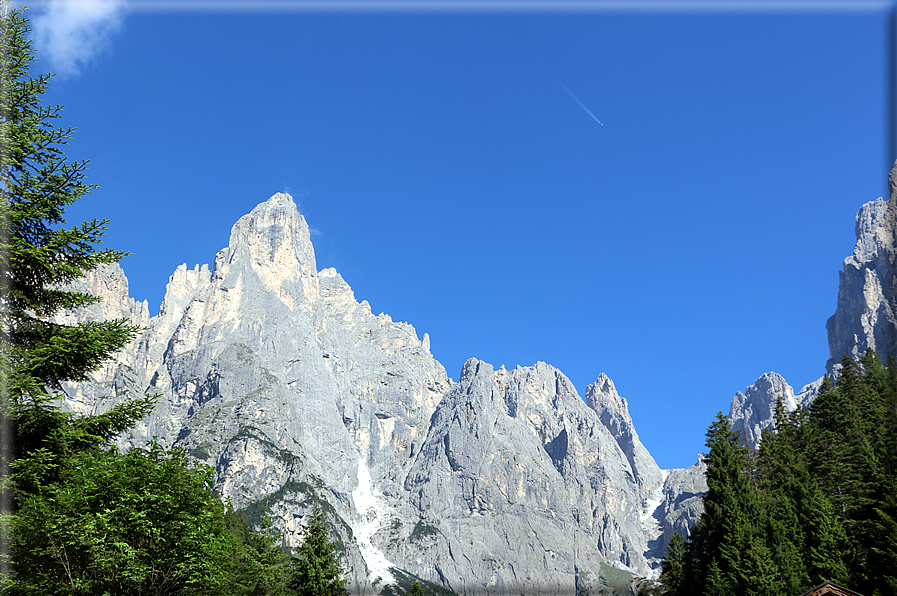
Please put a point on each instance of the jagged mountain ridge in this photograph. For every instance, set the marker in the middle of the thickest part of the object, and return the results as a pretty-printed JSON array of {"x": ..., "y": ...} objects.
[{"x": 274, "y": 373}]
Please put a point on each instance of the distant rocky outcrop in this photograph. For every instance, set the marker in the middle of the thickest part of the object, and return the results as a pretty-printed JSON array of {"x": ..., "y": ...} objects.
[
  {"x": 516, "y": 458},
  {"x": 613, "y": 411},
  {"x": 114, "y": 381},
  {"x": 681, "y": 504},
  {"x": 271, "y": 371},
  {"x": 753, "y": 411}
]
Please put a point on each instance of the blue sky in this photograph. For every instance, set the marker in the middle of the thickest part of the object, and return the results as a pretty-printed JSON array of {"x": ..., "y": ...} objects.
[{"x": 687, "y": 246}]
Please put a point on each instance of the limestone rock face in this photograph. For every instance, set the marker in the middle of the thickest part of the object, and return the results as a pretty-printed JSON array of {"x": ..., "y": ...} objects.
[
  {"x": 681, "y": 504},
  {"x": 109, "y": 283},
  {"x": 866, "y": 316},
  {"x": 272, "y": 372},
  {"x": 115, "y": 380},
  {"x": 672, "y": 499},
  {"x": 753, "y": 411},
  {"x": 613, "y": 411},
  {"x": 517, "y": 470}
]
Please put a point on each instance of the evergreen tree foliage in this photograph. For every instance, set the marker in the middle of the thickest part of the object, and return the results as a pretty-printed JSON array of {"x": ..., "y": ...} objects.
[
  {"x": 260, "y": 567},
  {"x": 817, "y": 502},
  {"x": 731, "y": 554},
  {"x": 673, "y": 575},
  {"x": 317, "y": 571},
  {"x": 883, "y": 557},
  {"x": 416, "y": 590},
  {"x": 806, "y": 537},
  {"x": 38, "y": 257}
]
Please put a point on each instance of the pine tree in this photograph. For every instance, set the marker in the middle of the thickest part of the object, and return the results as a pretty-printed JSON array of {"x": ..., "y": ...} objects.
[
  {"x": 779, "y": 467},
  {"x": 889, "y": 415},
  {"x": 883, "y": 558},
  {"x": 806, "y": 538},
  {"x": 732, "y": 511},
  {"x": 260, "y": 567},
  {"x": 317, "y": 570},
  {"x": 728, "y": 554},
  {"x": 416, "y": 590},
  {"x": 818, "y": 502},
  {"x": 38, "y": 257},
  {"x": 674, "y": 575},
  {"x": 844, "y": 437}
]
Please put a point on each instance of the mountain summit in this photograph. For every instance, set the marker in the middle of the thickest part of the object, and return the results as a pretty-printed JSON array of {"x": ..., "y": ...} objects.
[{"x": 271, "y": 371}]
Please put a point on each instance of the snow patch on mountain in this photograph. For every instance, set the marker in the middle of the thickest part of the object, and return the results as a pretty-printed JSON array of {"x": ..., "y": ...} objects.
[{"x": 367, "y": 503}]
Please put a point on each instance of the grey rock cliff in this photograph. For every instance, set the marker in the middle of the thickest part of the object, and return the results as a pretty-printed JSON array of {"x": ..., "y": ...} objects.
[
  {"x": 681, "y": 504},
  {"x": 274, "y": 373},
  {"x": 115, "y": 380},
  {"x": 753, "y": 411},
  {"x": 613, "y": 411},
  {"x": 866, "y": 316},
  {"x": 524, "y": 485}
]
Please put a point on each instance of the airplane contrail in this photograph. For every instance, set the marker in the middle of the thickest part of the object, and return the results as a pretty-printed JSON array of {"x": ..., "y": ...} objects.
[{"x": 582, "y": 105}]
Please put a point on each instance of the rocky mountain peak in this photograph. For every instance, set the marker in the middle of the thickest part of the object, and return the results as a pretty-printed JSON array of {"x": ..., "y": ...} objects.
[
  {"x": 273, "y": 373},
  {"x": 181, "y": 287},
  {"x": 866, "y": 316},
  {"x": 754, "y": 410},
  {"x": 613, "y": 411},
  {"x": 602, "y": 395},
  {"x": 108, "y": 282},
  {"x": 273, "y": 242}
]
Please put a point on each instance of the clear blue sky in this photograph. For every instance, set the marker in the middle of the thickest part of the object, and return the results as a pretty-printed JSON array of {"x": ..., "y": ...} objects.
[{"x": 687, "y": 246}]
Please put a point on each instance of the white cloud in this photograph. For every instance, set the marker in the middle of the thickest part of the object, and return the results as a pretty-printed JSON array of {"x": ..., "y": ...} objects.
[{"x": 70, "y": 33}]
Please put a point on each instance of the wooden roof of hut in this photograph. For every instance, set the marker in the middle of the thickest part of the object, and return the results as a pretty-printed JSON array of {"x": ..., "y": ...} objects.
[{"x": 830, "y": 589}]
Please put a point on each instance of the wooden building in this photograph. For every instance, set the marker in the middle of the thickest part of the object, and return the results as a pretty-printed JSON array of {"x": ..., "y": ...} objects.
[{"x": 830, "y": 589}]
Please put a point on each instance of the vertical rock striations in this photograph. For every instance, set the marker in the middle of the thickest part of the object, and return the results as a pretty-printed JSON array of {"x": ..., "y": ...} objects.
[
  {"x": 680, "y": 504},
  {"x": 613, "y": 411},
  {"x": 116, "y": 380},
  {"x": 523, "y": 487}
]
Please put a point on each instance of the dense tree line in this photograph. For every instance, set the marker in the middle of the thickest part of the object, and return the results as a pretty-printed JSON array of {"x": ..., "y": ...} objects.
[
  {"x": 817, "y": 502},
  {"x": 76, "y": 515}
]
